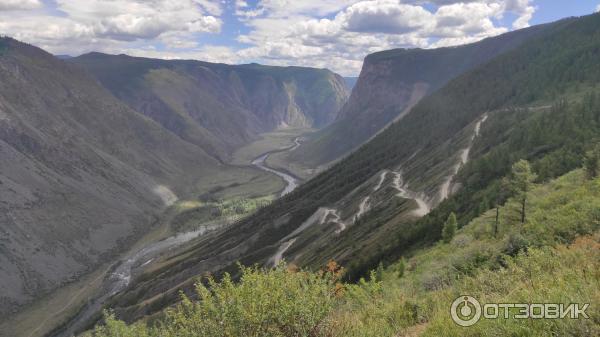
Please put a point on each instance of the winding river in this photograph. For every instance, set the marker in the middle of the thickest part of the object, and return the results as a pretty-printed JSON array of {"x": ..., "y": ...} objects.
[
  {"x": 291, "y": 181},
  {"x": 121, "y": 273}
]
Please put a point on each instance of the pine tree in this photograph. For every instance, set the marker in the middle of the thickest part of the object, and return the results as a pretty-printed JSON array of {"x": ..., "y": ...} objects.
[
  {"x": 501, "y": 195},
  {"x": 521, "y": 181},
  {"x": 449, "y": 228},
  {"x": 379, "y": 272},
  {"x": 592, "y": 162},
  {"x": 401, "y": 268}
]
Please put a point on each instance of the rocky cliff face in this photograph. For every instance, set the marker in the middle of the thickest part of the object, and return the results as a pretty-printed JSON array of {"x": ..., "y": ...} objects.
[
  {"x": 390, "y": 83},
  {"x": 216, "y": 106}
]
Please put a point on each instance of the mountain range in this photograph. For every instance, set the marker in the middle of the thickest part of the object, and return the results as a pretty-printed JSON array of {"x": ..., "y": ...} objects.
[
  {"x": 97, "y": 148},
  {"x": 219, "y": 107},
  {"x": 393, "y": 194}
]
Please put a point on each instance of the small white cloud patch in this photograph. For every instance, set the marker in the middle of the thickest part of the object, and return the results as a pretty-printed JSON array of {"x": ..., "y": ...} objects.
[{"x": 9, "y": 5}]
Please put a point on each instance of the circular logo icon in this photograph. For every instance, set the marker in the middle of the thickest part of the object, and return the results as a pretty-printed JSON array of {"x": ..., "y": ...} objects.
[{"x": 465, "y": 310}]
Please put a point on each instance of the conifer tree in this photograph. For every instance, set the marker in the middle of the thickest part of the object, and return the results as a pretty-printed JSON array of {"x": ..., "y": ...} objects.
[
  {"x": 521, "y": 182},
  {"x": 401, "y": 268},
  {"x": 591, "y": 162},
  {"x": 449, "y": 228}
]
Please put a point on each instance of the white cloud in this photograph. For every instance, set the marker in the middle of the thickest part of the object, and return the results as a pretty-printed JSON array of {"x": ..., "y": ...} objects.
[
  {"x": 465, "y": 22},
  {"x": 242, "y": 9},
  {"x": 178, "y": 41},
  {"x": 131, "y": 20},
  {"x": 211, "y": 7},
  {"x": 523, "y": 9},
  {"x": 598, "y": 8},
  {"x": 285, "y": 8},
  {"x": 284, "y": 32},
  {"x": 9, "y": 5},
  {"x": 384, "y": 16},
  {"x": 336, "y": 34},
  {"x": 110, "y": 25}
]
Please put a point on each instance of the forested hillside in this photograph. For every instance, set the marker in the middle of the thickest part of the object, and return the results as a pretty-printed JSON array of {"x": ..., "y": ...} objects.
[{"x": 537, "y": 102}]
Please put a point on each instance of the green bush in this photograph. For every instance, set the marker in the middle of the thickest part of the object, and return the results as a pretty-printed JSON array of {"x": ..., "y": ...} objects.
[{"x": 277, "y": 303}]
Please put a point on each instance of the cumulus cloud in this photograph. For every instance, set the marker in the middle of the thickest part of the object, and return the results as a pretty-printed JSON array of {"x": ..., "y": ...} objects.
[
  {"x": 336, "y": 34},
  {"x": 285, "y": 32},
  {"x": 131, "y": 20},
  {"x": 10, "y": 5},
  {"x": 523, "y": 9},
  {"x": 111, "y": 25},
  {"x": 211, "y": 7},
  {"x": 384, "y": 16},
  {"x": 598, "y": 8},
  {"x": 465, "y": 23},
  {"x": 242, "y": 9},
  {"x": 286, "y": 8}
]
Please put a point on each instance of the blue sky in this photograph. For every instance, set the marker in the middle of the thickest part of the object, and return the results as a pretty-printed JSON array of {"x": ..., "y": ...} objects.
[{"x": 335, "y": 34}]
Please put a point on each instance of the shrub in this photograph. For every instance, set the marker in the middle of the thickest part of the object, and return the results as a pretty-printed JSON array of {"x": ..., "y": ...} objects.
[
  {"x": 514, "y": 244},
  {"x": 277, "y": 303}
]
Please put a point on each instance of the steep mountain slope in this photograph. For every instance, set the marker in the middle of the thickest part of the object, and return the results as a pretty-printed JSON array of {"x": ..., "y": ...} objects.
[
  {"x": 216, "y": 106},
  {"x": 520, "y": 262},
  {"x": 553, "y": 257},
  {"x": 393, "y": 81},
  {"x": 411, "y": 167},
  {"x": 81, "y": 174}
]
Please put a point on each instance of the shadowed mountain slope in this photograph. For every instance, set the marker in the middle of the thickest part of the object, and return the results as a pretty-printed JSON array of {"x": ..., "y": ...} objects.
[{"x": 80, "y": 173}]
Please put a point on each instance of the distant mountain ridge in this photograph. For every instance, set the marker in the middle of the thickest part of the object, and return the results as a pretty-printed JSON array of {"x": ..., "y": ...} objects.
[{"x": 220, "y": 107}]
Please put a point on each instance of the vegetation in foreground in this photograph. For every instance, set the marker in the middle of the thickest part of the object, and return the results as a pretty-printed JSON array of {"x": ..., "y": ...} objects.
[{"x": 554, "y": 256}]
